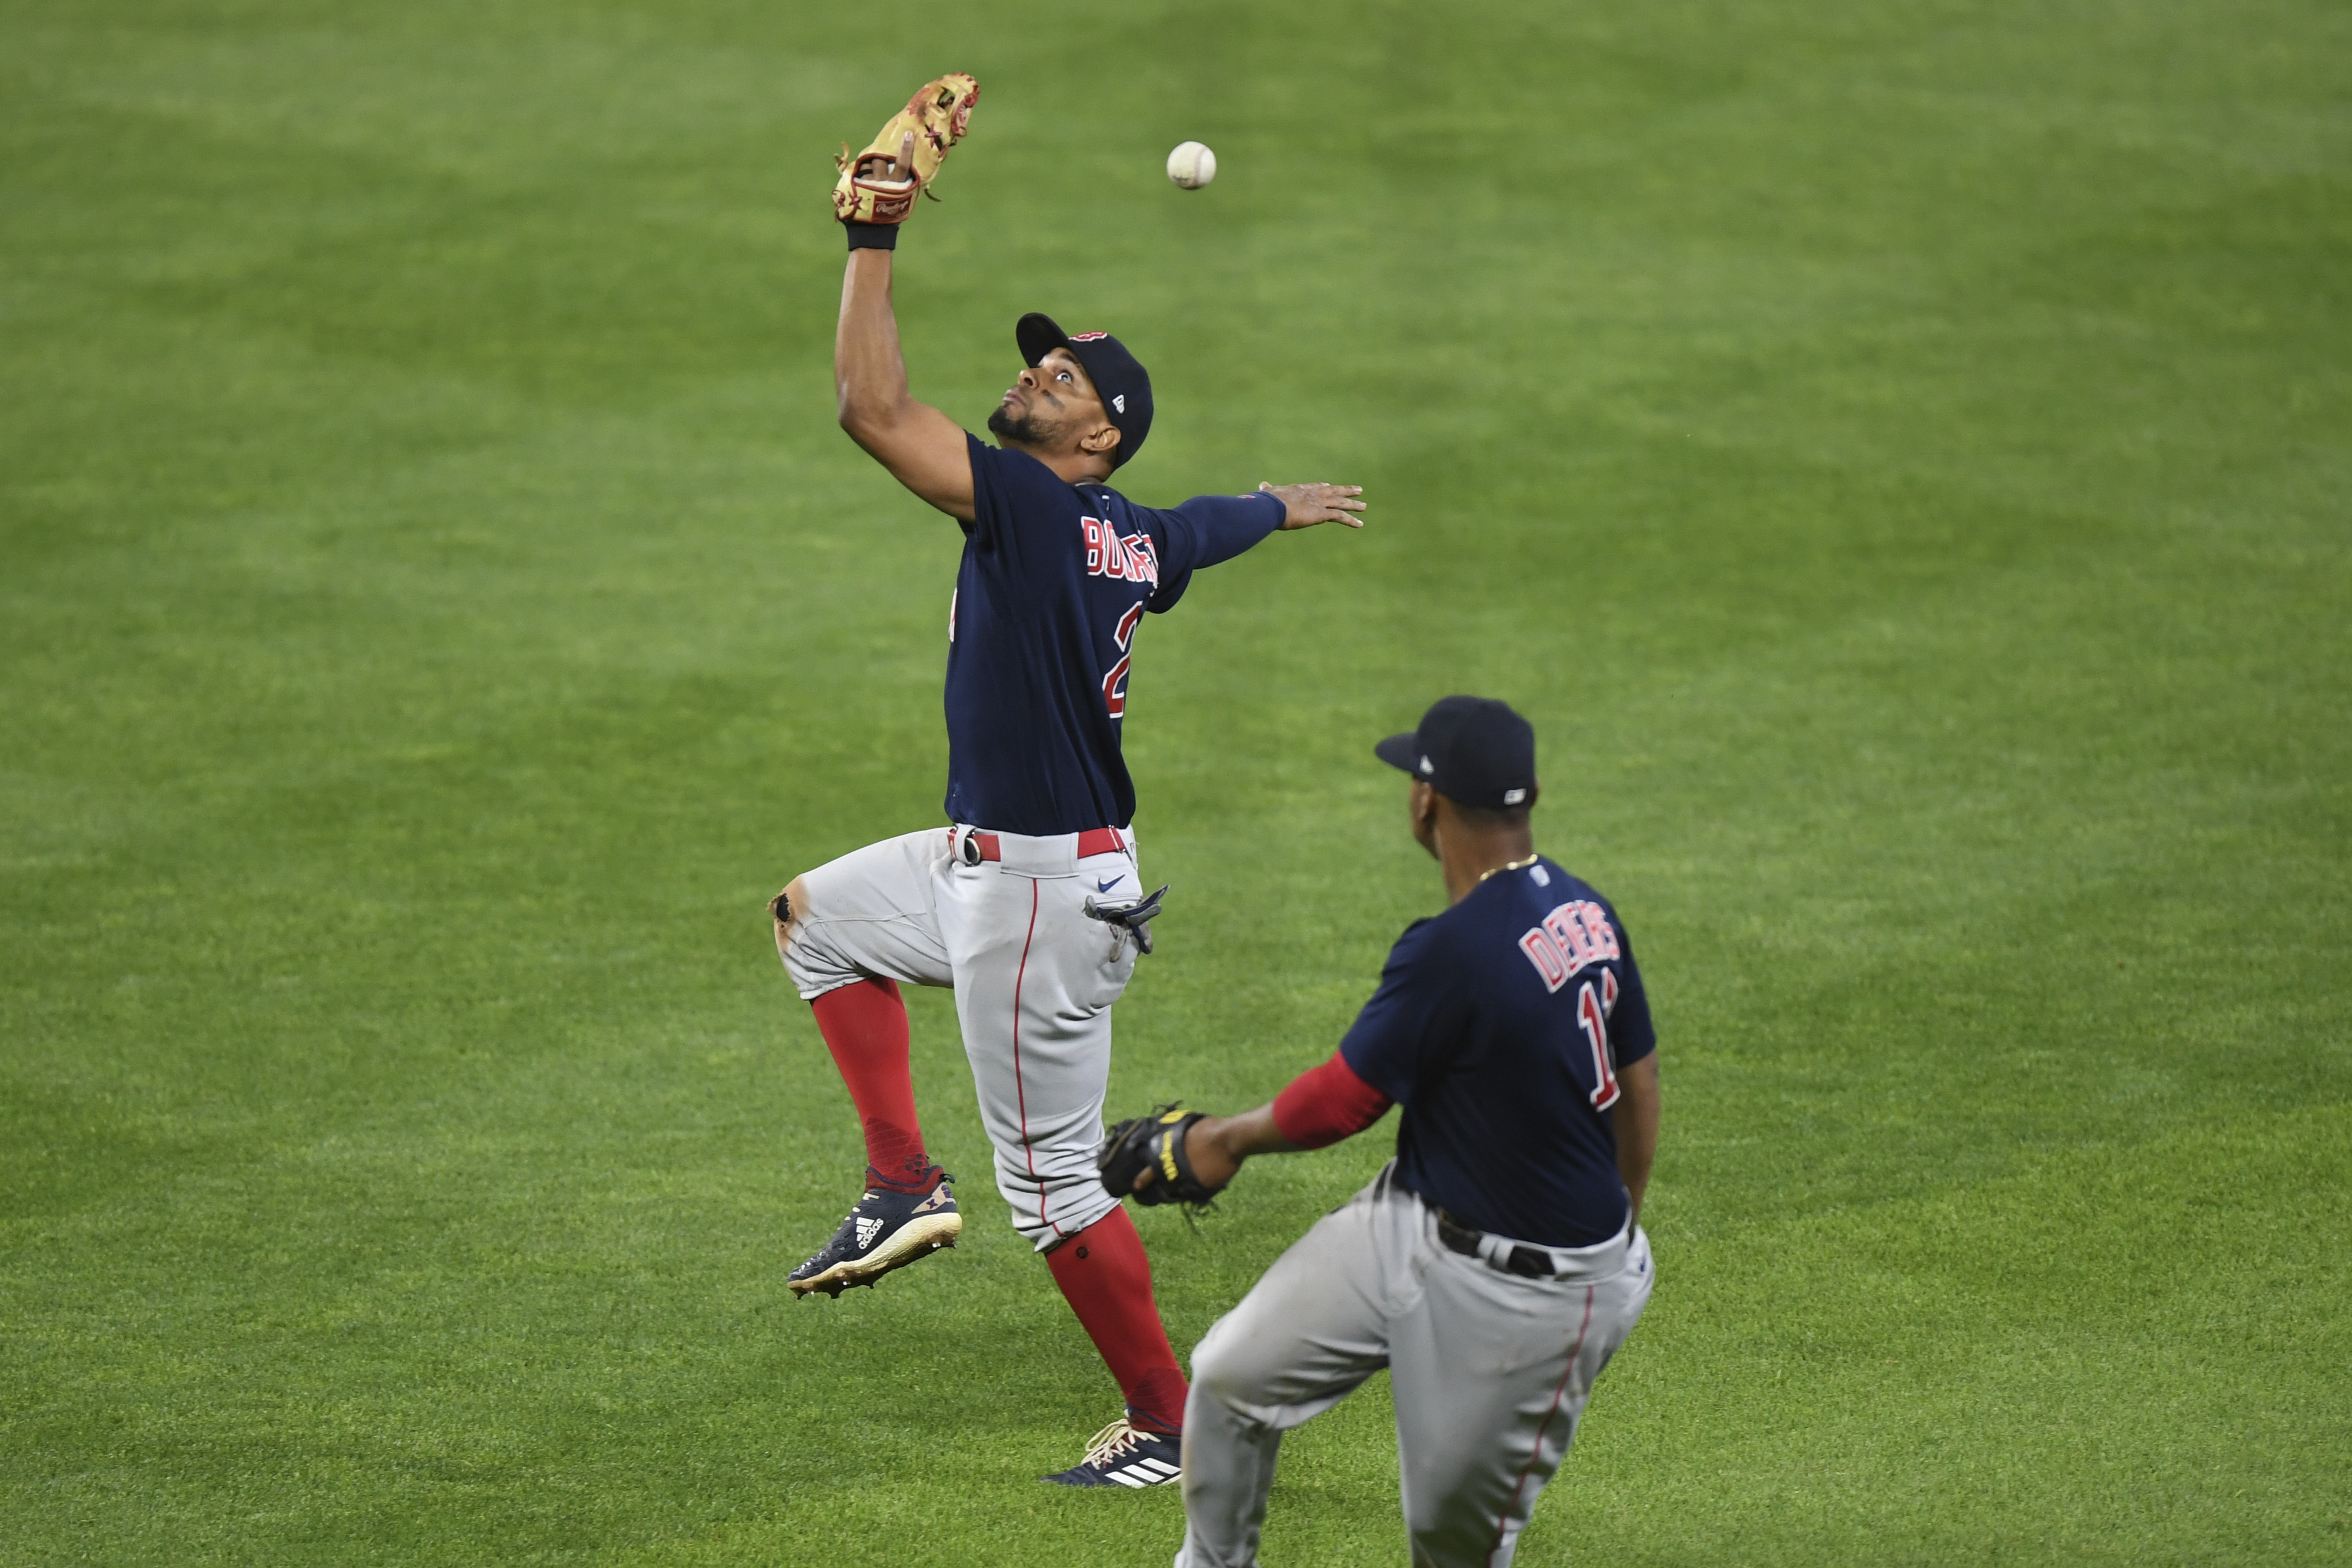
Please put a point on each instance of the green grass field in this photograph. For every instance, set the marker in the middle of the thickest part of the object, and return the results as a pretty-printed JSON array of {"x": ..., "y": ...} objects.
[{"x": 1900, "y": 456}]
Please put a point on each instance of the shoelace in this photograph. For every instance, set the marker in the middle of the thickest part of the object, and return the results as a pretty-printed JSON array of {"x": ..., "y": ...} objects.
[{"x": 1113, "y": 1441}]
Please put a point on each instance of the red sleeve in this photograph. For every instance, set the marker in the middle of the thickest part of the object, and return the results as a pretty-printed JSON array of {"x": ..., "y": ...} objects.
[{"x": 1327, "y": 1103}]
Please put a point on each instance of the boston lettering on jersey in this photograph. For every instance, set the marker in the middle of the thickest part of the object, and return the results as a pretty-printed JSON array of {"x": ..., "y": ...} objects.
[
  {"x": 1055, "y": 582},
  {"x": 1500, "y": 1026},
  {"x": 1131, "y": 558}
]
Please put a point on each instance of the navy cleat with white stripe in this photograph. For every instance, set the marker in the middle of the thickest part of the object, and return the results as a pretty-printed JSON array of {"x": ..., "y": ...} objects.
[
  {"x": 886, "y": 1230},
  {"x": 1124, "y": 1455}
]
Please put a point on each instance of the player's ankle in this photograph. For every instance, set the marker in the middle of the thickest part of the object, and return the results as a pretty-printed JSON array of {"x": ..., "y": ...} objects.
[
  {"x": 914, "y": 1186},
  {"x": 1156, "y": 1403}
]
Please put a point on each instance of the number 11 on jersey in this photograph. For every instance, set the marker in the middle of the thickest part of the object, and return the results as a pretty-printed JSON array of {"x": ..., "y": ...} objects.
[{"x": 1592, "y": 1017}]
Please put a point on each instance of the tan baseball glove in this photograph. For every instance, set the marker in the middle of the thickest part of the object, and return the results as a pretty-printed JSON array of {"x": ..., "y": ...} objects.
[{"x": 873, "y": 188}]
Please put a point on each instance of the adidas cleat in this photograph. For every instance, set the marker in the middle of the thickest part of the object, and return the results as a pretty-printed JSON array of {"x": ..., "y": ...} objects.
[
  {"x": 886, "y": 1230},
  {"x": 1123, "y": 1455}
]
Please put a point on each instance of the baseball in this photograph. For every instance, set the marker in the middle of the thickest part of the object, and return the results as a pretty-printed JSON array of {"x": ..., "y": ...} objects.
[{"x": 1191, "y": 165}]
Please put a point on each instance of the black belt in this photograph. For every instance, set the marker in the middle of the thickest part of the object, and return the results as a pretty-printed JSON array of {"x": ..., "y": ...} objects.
[{"x": 1528, "y": 1262}]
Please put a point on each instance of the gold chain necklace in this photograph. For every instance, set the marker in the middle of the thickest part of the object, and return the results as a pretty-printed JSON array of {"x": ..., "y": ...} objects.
[{"x": 1510, "y": 865}]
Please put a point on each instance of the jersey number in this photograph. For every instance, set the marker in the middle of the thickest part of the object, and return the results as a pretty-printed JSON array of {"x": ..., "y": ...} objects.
[
  {"x": 1592, "y": 1017},
  {"x": 1115, "y": 684}
]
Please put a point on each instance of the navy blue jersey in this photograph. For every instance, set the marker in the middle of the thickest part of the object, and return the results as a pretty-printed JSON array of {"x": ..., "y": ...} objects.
[
  {"x": 1055, "y": 582},
  {"x": 1500, "y": 1026}
]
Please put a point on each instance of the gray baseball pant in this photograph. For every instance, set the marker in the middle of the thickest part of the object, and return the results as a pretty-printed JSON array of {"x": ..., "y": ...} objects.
[
  {"x": 1034, "y": 979},
  {"x": 1489, "y": 1370}
]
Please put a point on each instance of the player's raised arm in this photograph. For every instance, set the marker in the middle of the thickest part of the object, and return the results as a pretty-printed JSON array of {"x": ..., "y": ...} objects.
[{"x": 923, "y": 448}]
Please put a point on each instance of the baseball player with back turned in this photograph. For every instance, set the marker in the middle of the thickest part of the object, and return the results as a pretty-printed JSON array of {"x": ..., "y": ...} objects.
[
  {"x": 1498, "y": 1262},
  {"x": 1029, "y": 903}
]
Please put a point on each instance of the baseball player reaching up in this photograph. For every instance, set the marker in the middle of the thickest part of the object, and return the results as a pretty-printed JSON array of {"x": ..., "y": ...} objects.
[
  {"x": 1029, "y": 903},
  {"x": 1498, "y": 1262}
]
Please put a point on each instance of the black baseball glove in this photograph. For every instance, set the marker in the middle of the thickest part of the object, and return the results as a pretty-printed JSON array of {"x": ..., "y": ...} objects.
[
  {"x": 1156, "y": 1141},
  {"x": 1136, "y": 916}
]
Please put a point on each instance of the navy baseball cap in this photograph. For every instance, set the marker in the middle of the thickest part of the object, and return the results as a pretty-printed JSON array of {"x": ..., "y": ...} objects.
[
  {"x": 1122, "y": 383},
  {"x": 1474, "y": 751}
]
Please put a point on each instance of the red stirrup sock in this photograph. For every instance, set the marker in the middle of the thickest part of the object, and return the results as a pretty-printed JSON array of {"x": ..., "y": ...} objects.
[
  {"x": 865, "y": 1027},
  {"x": 1107, "y": 1279}
]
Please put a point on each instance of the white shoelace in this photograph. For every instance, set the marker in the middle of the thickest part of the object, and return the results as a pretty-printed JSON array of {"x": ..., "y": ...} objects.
[{"x": 1112, "y": 1442}]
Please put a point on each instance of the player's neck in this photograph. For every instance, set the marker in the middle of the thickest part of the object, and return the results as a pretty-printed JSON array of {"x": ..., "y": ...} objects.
[
  {"x": 1070, "y": 467},
  {"x": 1469, "y": 858}
]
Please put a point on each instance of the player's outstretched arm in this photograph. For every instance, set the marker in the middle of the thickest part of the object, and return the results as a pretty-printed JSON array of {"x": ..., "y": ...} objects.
[
  {"x": 1321, "y": 1106},
  {"x": 1217, "y": 1146},
  {"x": 923, "y": 448},
  {"x": 1224, "y": 526},
  {"x": 1303, "y": 506}
]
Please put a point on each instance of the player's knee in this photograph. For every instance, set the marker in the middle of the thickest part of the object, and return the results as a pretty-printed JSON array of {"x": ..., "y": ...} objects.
[
  {"x": 790, "y": 906},
  {"x": 1219, "y": 1372}
]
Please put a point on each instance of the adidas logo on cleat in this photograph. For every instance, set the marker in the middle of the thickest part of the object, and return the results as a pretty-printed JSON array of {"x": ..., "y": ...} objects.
[
  {"x": 886, "y": 1230},
  {"x": 1125, "y": 1454},
  {"x": 1145, "y": 1473}
]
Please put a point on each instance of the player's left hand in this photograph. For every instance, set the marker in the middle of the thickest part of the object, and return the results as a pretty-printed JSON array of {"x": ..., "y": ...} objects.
[
  {"x": 879, "y": 185},
  {"x": 1303, "y": 506},
  {"x": 1131, "y": 1153}
]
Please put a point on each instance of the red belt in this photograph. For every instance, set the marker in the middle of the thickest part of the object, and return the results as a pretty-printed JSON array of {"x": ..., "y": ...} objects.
[{"x": 1093, "y": 841}]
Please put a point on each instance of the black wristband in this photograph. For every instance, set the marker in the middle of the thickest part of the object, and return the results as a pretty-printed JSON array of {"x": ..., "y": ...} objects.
[{"x": 872, "y": 236}]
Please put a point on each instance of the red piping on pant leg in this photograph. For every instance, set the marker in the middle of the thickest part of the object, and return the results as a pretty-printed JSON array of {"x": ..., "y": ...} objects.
[
  {"x": 1020, "y": 1095},
  {"x": 1573, "y": 1352}
]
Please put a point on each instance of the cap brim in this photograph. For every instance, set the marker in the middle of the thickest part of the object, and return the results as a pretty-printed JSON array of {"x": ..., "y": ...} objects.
[
  {"x": 1401, "y": 752},
  {"x": 1038, "y": 337}
]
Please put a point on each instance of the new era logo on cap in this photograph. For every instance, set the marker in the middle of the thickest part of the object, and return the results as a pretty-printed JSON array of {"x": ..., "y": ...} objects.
[
  {"x": 1119, "y": 402},
  {"x": 1424, "y": 765}
]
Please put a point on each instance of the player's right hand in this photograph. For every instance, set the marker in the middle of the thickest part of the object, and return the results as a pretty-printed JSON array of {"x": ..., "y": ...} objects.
[{"x": 1303, "y": 506}]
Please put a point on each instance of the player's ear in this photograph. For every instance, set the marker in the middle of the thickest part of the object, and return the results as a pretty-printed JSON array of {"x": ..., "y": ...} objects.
[
  {"x": 1099, "y": 442},
  {"x": 1420, "y": 811}
]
